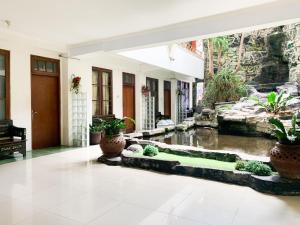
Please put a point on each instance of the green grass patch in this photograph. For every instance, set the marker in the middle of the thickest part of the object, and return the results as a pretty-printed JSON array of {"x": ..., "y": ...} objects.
[{"x": 192, "y": 161}]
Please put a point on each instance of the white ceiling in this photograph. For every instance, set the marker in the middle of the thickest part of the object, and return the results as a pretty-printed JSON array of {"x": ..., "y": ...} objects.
[{"x": 76, "y": 21}]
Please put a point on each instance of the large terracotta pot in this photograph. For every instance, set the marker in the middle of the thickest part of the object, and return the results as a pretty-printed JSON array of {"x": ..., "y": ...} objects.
[
  {"x": 95, "y": 138},
  {"x": 286, "y": 160},
  {"x": 112, "y": 146}
]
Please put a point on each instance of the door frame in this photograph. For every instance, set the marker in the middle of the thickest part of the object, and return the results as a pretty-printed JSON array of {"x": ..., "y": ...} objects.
[
  {"x": 170, "y": 106},
  {"x": 134, "y": 102},
  {"x": 6, "y": 54},
  {"x": 39, "y": 73},
  {"x": 156, "y": 81}
]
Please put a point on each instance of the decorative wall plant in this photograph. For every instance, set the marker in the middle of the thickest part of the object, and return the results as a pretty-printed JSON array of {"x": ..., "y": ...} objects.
[
  {"x": 145, "y": 90},
  {"x": 75, "y": 84}
]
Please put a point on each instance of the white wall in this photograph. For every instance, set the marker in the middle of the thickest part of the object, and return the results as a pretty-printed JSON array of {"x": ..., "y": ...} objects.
[
  {"x": 20, "y": 81},
  {"x": 183, "y": 61}
]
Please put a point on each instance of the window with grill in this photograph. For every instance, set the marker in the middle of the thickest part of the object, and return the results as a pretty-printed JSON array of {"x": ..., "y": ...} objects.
[{"x": 102, "y": 92}]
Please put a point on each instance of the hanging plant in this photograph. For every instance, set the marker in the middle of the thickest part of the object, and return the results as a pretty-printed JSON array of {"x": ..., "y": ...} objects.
[
  {"x": 179, "y": 92},
  {"x": 75, "y": 85},
  {"x": 145, "y": 90}
]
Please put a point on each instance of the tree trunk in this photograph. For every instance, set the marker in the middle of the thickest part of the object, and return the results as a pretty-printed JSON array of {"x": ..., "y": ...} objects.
[
  {"x": 238, "y": 67},
  {"x": 210, "y": 57},
  {"x": 219, "y": 60}
]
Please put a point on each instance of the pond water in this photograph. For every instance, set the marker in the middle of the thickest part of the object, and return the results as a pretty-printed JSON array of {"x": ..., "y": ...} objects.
[{"x": 210, "y": 139}]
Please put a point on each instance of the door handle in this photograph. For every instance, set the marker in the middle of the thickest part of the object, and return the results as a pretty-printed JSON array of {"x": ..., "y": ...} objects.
[{"x": 33, "y": 113}]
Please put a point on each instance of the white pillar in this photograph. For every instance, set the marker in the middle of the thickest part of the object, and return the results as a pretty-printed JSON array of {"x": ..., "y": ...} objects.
[
  {"x": 174, "y": 100},
  {"x": 191, "y": 95},
  {"x": 118, "y": 93},
  {"x": 140, "y": 80},
  {"x": 66, "y": 106}
]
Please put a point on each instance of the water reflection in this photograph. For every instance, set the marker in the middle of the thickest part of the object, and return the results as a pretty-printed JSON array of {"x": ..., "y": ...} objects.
[{"x": 211, "y": 139}]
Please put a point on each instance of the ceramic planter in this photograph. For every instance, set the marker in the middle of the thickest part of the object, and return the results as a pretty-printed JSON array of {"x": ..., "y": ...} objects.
[
  {"x": 286, "y": 160},
  {"x": 112, "y": 146},
  {"x": 95, "y": 138}
]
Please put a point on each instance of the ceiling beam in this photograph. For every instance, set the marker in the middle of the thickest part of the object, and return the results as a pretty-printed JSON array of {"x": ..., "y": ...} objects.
[{"x": 275, "y": 13}]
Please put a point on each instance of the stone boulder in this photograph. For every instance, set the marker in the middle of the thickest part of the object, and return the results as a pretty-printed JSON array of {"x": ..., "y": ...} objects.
[
  {"x": 291, "y": 88},
  {"x": 294, "y": 103},
  {"x": 135, "y": 148}
]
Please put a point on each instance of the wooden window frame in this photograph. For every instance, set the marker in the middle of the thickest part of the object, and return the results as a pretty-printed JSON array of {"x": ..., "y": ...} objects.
[
  {"x": 6, "y": 55},
  {"x": 100, "y": 93},
  {"x": 131, "y": 75},
  {"x": 44, "y": 73}
]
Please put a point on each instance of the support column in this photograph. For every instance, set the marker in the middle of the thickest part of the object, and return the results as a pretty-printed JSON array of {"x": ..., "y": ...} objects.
[
  {"x": 140, "y": 80},
  {"x": 174, "y": 100}
]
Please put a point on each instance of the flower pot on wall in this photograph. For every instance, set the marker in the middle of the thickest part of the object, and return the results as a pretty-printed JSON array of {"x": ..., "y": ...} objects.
[
  {"x": 286, "y": 160},
  {"x": 95, "y": 138},
  {"x": 112, "y": 145}
]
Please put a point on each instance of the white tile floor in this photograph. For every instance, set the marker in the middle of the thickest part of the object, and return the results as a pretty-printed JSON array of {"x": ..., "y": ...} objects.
[{"x": 71, "y": 188}]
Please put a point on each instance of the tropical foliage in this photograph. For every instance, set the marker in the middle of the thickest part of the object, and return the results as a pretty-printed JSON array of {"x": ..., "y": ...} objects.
[
  {"x": 287, "y": 136},
  {"x": 223, "y": 87},
  {"x": 218, "y": 47},
  {"x": 275, "y": 102}
]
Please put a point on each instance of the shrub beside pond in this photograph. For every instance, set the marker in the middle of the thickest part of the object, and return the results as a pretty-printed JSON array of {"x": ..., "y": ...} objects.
[
  {"x": 255, "y": 167},
  {"x": 150, "y": 150}
]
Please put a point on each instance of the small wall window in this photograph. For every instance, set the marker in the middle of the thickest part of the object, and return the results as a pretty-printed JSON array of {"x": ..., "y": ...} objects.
[
  {"x": 102, "y": 92},
  {"x": 44, "y": 65},
  {"x": 4, "y": 85}
]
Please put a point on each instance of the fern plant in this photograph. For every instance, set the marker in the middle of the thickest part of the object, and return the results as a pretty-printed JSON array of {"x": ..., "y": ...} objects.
[{"x": 286, "y": 136}]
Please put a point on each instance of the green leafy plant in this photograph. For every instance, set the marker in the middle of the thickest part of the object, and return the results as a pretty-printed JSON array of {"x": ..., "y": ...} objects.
[
  {"x": 150, "y": 150},
  {"x": 258, "y": 168},
  {"x": 225, "y": 86},
  {"x": 275, "y": 102},
  {"x": 95, "y": 128},
  {"x": 240, "y": 165},
  {"x": 113, "y": 126},
  {"x": 284, "y": 135},
  {"x": 255, "y": 167}
]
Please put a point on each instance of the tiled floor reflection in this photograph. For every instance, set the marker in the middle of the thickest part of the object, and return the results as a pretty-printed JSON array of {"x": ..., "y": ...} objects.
[{"x": 71, "y": 188}]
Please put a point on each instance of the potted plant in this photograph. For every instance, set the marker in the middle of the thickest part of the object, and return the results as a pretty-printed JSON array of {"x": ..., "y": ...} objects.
[
  {"x": 112, "y": 143},
  {"x": 95, "y": 134},
  {"x": 285, "y": 156}
]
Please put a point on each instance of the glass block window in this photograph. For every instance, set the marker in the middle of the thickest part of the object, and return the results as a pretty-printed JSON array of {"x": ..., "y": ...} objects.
[{"x": 102, "y": 92}]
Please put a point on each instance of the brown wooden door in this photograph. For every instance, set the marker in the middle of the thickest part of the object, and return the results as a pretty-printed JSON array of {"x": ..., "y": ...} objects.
[
  {"x": 129, "y": 100},
  {"x": 45, "y": 102},
  {"x": 167, "y": 98}
]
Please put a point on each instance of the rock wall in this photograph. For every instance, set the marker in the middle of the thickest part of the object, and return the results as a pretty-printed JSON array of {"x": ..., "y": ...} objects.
[
  {"x": 269, "y": 55},
  {"x": 292, "y": 50}
]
